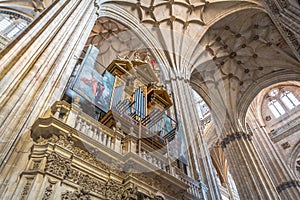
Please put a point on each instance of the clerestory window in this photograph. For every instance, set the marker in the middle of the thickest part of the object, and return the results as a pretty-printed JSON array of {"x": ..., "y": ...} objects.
[
  {"x": 17, "y": 29},
  {"x": 276, "y": 108},
  {"x": 10, "y": 28},
  {"x": 5, "y": 23},
  {"x": 202, "y": 108},
  {"x": 281, "y": 102},
  {"x": 289, "y": 100}
]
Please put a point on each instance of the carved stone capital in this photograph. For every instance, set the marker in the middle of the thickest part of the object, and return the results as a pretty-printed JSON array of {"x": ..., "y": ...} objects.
[
  {"x": 234, "y": 137},
  {"x": 287, "y": 185}
]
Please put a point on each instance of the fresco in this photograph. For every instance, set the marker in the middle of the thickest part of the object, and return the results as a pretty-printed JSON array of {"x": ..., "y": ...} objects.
[{"x": 91, "y": 85}]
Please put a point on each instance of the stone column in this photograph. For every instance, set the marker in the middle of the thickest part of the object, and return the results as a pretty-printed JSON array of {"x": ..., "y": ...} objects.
[
  {"x": 286, "y": 183},
  {"x": 35, "y": 68},
  {"x": 246, "y": 168},
  {"x": 197, "y": 148}
]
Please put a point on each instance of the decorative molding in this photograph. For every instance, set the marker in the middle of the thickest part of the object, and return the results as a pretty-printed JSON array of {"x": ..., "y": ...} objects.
[
  {"x": 26, "y": 188},
  {"x": 155, "y": 183},
  {"x": 287, "y": 185},
  {"x": 292, "y": 38},
  {"x": 130, "y": 194},
  {"x": 81, "y": 194},
  {"x": 58, "y": 165},
  {"x": 147, "y": 197},
  {"x": 67, "y": 143},
  {"x": 16, "y": 15},
  {"x": 48, "y": 190},
  {"x": 235, "y": 136},
  {"x": 61, "y": 166}
]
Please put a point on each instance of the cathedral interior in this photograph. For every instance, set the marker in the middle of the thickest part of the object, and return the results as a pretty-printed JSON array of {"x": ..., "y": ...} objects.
[{"x": 150, "y": 99}]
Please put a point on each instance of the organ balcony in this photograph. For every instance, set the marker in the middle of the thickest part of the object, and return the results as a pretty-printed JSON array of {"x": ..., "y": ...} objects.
[{"x": 127, "y": 151}]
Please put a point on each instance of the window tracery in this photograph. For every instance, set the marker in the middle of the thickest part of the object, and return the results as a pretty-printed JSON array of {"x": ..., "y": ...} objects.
[
  {"x": 276, "y": 108},
  {"x": 289, "y": 99},
  {"x": 281, "y": 101},
  {"x": 10, "y": 26}
]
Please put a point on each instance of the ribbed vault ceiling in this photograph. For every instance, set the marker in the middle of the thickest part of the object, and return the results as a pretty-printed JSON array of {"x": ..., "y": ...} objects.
[
  {"x": 244, "y": 48},
  {"x": 178, "y": 25},
  {"x": 223, "y": 47},
  {"x": 26, "y": 8}
]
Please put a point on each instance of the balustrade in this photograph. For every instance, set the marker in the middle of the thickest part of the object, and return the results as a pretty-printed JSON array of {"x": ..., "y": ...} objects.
[
  {"x": 155, "y": 159},
  {"x": 194, "y": 186},
  {"x": 74, "y": 117}
]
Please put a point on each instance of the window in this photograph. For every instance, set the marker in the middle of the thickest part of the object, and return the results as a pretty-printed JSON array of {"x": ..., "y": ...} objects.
[
  {"x": 17, "y": 29},
  {"x": 281, "y": 101},
  {"x": 289, "y": 100},
  {"x": 5, "y": 23},
  {"x": 276, "y": 108}
]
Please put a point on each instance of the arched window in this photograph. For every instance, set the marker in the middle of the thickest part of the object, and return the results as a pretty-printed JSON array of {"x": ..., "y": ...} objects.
[
  {"x": 5, "y": 23},
  {"x": 281, "y": 101},
  {"x": 16, "y": 29},
  {"x": 276, "y": 108},
  {"x": 289, "y": 100}
]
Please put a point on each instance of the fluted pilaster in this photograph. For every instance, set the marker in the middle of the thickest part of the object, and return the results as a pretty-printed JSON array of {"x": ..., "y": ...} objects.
[
  {"x": 198, "y": 151},
  {"x": 247, "y": 169},
  {"x": 286, "y": 183},
  {"x": 35, "y": 68}
]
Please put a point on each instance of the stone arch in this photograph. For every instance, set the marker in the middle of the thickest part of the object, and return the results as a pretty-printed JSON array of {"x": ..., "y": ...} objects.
[
  {"x": 265, "y": 82},
  {"x": 128, "y": 20},
  {"x": 210, "y": 64},
  {"x": 293, "y": 158},
  {"x": 260, "y": 98},
  {"x": 195, "y": 65}
]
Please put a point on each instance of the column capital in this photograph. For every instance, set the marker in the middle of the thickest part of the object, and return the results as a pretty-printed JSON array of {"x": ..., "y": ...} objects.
[
  {"x": 186, "y": 80},
  {"x": 287, "y": 185},
  {"x": 234, "y": 137}
]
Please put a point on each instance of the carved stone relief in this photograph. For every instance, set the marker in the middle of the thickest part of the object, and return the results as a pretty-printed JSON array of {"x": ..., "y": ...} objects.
[
  {"x": 67, "y": 143},
  {"x": 81, "y": 194},
  {"x": 49, "y": 190},
  {"x": 27, "y": 187},
  {"x": 57, "y": 165},
  {"x": 61, "y": 167},
  {"x": 276, "y": 12}
]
